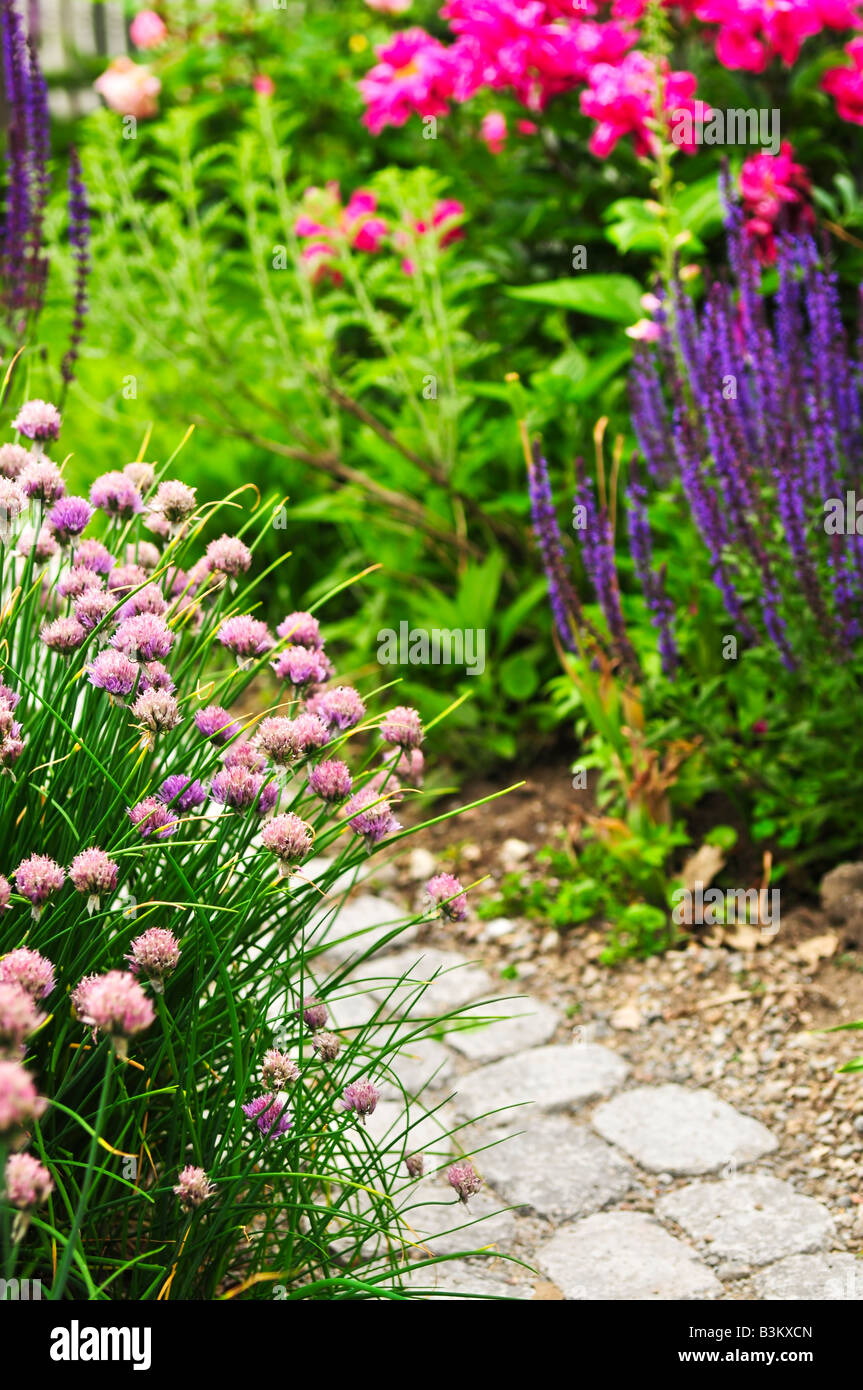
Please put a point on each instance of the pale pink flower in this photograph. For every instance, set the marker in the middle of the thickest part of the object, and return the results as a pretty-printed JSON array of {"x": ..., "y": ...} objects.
[
  {"x": 129, "y": 88},
  {"x": 147, "y": 29}
]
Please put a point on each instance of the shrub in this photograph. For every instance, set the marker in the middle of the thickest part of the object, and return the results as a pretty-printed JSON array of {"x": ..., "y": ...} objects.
[{"x": 181, "y": 1111}]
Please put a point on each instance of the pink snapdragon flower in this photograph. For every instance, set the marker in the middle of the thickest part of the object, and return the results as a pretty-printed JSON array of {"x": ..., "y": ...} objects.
[
  {"x": 129, "y": 88},
  {"x": 622, "y": 101},
  {"x": 754, "y": 32},
  {"x": 845, "y": 85},
  {"x": 325, "y": 226},
  {"x": 776, "y": 192},
  {"x": 493, "y": 131},
  {"x": 415, "y": 75}
]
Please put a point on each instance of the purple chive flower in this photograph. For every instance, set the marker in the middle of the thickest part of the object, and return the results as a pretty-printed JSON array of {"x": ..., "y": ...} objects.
[
  {"x": 289, "y": 838},
  {"x": 19, "y": 1019},
  {"x": 42, "y": 481},
  {"x": 43, "y": 545},
  {"x": 301, "y": 630},
  {"x": 278, "y": 1070},
  {"x": 13, "y": 460},
  {"x": 245, "y": 637},
  {"x": 410, "y": 766},
  {"x": 113, "y": 672},
  {"x": 12, "y": 503},
  {"x": 123, "y": 578},
  {"x": 77, "y": 580},
  {"x": 174, "y": 501},
  {"x": 330, "y": 780},
  {"x": 20, "y": 1103},
  {"x": 215, "y": 723},
  {"x": 402, "y": 727},
  {"x": 115, "y": 1004},
  {"x": 369, "y": 815},
  {"x": 360, "y": 1098},
  {"x": 144, "y": 637},
  {"x": 448, "y": 896},
  {"x": 11, "y": 743},
  {"x": 341, "y": 708},
  {"x": 93, "y": 607},
  {"x": 270, "y": 1114},
  {"x": 301, "y": 666},
  {"x": 38, "y": 420},
  {"x": 37, "y": 878},
  {"x": 327, "y": 1046},
  {"x": 94, "y": 872},
  {"x": 93, "y": 554},
  {"x": 464, "y": 1180},
  {"x": 143, "y": 475},
  {"x": 150, "y": 599},
  {"x": 156, "y": 676},
  {"x": 182, "y": 792},
  {"x": 68, "y": 517},
  {"x": 79, "y": 240},
  {"x": 315, "y": 1014},
  {"x": 116, "y": 494},
  {"x": 415, "y": 1164},
  {"x": 28, "y": 1186},
  {"x": 156, "y": 712},
  {"x": 151, "y": 818},
  {"x": 64, "y": 635},
  {"x": 385, "y": 783},
  {"x": 284, "y": 740},
  {"x": 155, "y": 954},
  {"x": 9, "y": 697},
  {"x": 242, "y": 754},
  {"x": 193, "y": 1188},
  {"x": 241, "y": 789},
  {"x": 228, "y": 555},
  {"x": 28, "y": 969}
]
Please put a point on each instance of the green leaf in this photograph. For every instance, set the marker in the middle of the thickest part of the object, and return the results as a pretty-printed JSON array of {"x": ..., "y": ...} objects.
[{"x": 613, "y": 297}]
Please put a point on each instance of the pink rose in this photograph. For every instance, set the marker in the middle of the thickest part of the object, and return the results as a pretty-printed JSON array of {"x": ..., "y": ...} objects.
[
  {"x": 147, "y": 29},
  {"x": 130, "y": 88}
]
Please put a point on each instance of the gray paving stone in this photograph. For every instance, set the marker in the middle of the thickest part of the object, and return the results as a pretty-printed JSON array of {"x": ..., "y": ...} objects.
[
  {"x": 626, "y": 1256},
  {"x": 454, "y": 981},
  {"x": 557, "y": 1078},
  {"x": 421, "y": 1065},
  {"x": 401, "y": 1130},
  {"x": 818, "y": 1277},
  {"x": 515, "y": 1026},
  {"x": 362, "y": 922},
  {"x": 671, "y": 1129},
  {"x": 750, "y": 1219},
  {"x": 456, "y": 1279},
  {"x": 439, "y": 1224},
  {"x": 556, "y": 1169}
]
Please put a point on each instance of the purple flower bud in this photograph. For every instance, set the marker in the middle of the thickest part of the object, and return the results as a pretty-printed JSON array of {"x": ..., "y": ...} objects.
[
  {"x": 241, "y": 789},
  {"x": 124, "y": 578},
  {"x": 228, "y": 555},
  {"x": 114, "y": 672},
  {"x": 331, "y": 780},
  {"x": 278, "y": 1070},
  {"x": 284, "y": 740},
  {"x": 464, "y": 1180},
  {"x": 182, "y": 792},
  {"x": 13, "y": 460},
  {"x": 150, "y": 599},
  {"x": 415, "y": 1164},
  {"x": 289, "y": 838},
  {"x": 327, "y": 1046},
  {"x": 314, "y": 1014},
  {"x": 150, "y": 818},
  {"x": 144, "y": 637},
  {"x": 19, "y": 1019},
  {"x": 155, "y": 953},
  {"x": 156, "y": 676},
  {"x": 341, "y": 708},
  {"x": 215, "y": 723},
  {"x": 361, "y": 1097},
  {"x": 77, "y": 581},
  {"x": 300, "y": 629},
  {"x": 64, "y": 635},
  {"x": 370, "y": 816},
  {"x": 301, "y": 666},
  {"x": 93, "y": 872},
  {"x": 402, "y": 727},
  {"x": 193, "y": 1188},
  {"x": 156, "y": 711},
  {"x": 174, "y": 501},
  {"x": 269, "y": 1111},
  {"x": 116, "y": 494},
  {"x": 448, "y": 896},
  {"x": 28, "y": 969},
  {"x": 12, "y": 504},
  {"x": 245, "y": 637},
  {"x": 94, "y": 556},
  {"x": 37, "y": 878},
  {"x": 92, "y": 608},
  {"x": 28, "y": 1183},
  {"x": 37, "y": 419},
  {"x": 69, "y": 517},
  {"x": 116, "y": 1004},
  {"x": 43, "y": 481},
  {"x": 19, "y": 1102}
]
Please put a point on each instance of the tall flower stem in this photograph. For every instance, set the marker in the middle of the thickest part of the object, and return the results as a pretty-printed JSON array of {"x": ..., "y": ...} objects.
[{"x": 80, "y": 1210}]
